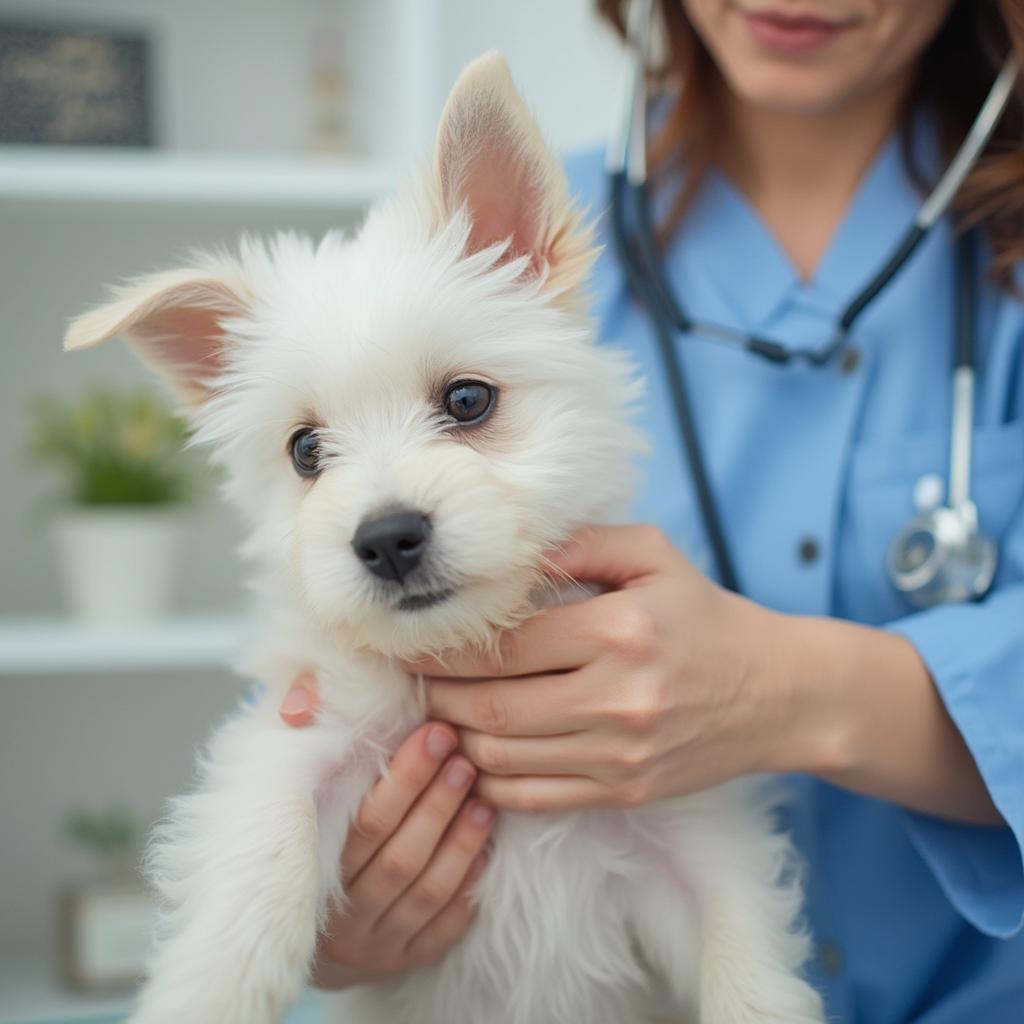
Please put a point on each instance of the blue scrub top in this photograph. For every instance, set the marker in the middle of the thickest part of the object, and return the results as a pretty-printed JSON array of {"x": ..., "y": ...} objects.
[{"x": 916, "y": 919}]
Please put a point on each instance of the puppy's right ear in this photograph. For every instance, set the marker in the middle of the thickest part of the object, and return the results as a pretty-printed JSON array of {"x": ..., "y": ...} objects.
[
  {"x": 491, "y": 160},
  {"x": 174, "y": 321}
]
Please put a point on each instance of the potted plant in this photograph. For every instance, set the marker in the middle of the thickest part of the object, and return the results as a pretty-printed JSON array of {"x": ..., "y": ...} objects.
[{"x": 127, "y": 478}]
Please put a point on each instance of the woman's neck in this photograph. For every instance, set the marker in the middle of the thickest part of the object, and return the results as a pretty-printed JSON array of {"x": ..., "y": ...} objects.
[{"x": 800, "y": 171}]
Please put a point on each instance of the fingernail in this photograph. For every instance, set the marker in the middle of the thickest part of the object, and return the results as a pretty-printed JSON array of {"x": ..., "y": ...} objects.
[
  {"x": 298, "y": 701},
  {"x": 480, "y": 814},
  {"x": 440, "y": 743},
  {"x": 458, "y": 774}
]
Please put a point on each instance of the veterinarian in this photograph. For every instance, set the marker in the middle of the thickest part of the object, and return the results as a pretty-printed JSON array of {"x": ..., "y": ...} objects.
[{"x": 775, "y": 623}]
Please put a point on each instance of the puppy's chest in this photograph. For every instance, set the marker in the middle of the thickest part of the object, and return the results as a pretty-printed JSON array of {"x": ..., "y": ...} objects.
[
  {"x": 366, "y": 742},
  {"x": 558, "y": 908},
  {"x": 588, "y": 861},
  {"x": 597, "y": 848}
]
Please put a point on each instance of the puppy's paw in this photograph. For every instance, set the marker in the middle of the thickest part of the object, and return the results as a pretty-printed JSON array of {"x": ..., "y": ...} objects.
[{"x": 779, "y": 1000}]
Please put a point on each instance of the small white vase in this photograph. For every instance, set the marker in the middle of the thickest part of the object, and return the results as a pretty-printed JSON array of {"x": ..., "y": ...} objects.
[{"x": 119, "y": 563}]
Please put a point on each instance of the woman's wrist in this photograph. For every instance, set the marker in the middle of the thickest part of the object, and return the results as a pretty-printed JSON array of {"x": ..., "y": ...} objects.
[
  {"x": 815, "y": 717},
  {"x": 861, "y": 711}
]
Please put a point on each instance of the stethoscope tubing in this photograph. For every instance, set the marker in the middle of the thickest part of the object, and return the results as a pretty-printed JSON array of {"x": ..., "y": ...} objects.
[{"x": 642, "y": 287}]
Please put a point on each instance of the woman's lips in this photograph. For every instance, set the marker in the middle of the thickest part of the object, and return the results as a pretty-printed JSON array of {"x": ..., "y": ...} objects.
[{"x": 788, "y": 34}]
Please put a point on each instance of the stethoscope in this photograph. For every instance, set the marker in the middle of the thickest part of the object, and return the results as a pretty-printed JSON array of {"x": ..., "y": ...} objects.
[{"x": 941, "y": 555}]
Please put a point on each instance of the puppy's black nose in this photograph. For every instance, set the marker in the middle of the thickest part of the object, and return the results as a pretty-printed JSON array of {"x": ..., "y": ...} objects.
[{"x": 393, "y": 545}]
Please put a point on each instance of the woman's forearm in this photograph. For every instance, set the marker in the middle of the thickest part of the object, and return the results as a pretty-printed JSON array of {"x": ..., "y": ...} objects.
[{"x": 871, "y": 720}]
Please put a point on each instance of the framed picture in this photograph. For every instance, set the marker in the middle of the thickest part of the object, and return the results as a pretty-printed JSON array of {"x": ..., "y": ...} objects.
[
  {"x": 105, "y": 931},
  {"x": 74, "y": 86}
]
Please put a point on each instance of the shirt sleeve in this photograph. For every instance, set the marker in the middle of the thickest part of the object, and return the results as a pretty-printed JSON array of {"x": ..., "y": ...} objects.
[{"x": 975, "y": 654}]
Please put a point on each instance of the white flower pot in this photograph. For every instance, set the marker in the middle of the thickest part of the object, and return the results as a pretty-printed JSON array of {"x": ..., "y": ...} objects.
[{"x": 119, "y": 563}]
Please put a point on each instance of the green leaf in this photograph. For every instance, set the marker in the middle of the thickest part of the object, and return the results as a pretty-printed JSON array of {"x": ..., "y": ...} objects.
[{"x": 110, "y": 835}]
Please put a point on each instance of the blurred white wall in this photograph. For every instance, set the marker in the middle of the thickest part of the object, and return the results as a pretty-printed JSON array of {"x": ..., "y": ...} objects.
[{"x": 567, "y": 63}]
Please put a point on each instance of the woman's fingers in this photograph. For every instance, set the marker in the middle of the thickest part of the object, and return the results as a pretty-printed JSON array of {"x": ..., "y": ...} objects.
[
  {"x": 447, "y": 927},
  {"x": 300, "y": 703},
  {"x": 564, "y": 754},
  {"x": 440, "y": 880},
  {"x": 401, "y": 860},
  {"x": 614, "y": 555},
  {"x": 536, "y": 793},
  {"x": 409, "y": 838},
  {"x": 554, "y": 640},
  {"x": 532, "y": 706},
  {"x": 413, "y": 767}
]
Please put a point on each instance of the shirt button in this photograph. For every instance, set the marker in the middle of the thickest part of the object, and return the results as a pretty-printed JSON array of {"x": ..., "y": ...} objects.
[
  {"x": 808, "y": 551},
  {"x": 831, "y": 958},
  {"x": 849, "y": 360}
]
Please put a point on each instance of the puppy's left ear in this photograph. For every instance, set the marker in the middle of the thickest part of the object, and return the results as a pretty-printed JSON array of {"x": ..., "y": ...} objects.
[
  {"x": 174, "y": 321},
  {"x": 491, "y": 159}
]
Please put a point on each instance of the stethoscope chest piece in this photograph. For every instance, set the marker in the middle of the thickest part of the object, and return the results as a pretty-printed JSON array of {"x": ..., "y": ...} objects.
[{"x": 941, "y": 556}]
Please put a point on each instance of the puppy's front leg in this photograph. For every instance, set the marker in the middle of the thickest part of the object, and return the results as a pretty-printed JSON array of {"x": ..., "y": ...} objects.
[
  {"x": 730, "y": 874},
  {"x": 748, "y": 888},
  {"x": 238, "y": 869}
]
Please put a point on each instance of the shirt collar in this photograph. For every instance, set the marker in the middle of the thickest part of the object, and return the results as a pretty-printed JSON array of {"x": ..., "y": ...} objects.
[{"x": 728, "y": 267}]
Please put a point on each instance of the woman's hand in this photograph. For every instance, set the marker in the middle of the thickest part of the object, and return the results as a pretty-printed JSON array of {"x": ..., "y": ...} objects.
[
  {"x": 416, "y": 847},
  {"x": 664, "y": 685},
  {"x": 668, "y": 684}
]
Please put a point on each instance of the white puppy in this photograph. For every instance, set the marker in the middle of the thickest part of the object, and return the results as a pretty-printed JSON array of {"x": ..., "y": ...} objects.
[{"x": 408, "y": 418}]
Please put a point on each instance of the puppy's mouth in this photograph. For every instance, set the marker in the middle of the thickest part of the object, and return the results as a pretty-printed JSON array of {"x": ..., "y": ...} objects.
[{"x": 417, "y": 602}]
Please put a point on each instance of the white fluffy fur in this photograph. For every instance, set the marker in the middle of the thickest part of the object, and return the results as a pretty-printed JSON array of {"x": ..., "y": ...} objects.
[{"x": 475, "y": 271}]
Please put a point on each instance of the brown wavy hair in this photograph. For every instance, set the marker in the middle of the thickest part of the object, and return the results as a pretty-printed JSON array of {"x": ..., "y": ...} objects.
[{"x": 956, "y": 73}]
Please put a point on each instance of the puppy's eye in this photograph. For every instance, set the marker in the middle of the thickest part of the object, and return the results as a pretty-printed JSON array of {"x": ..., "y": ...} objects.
[
  {"x": 305, "y": 448},
  {"x": 469, "y": 402}
]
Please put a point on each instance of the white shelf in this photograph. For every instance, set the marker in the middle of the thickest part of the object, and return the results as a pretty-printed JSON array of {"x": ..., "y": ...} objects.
[
  {"x": 29, "y": 994},
  {"x": 165, "y": 178},
  {"x": 43, "y": 647}
]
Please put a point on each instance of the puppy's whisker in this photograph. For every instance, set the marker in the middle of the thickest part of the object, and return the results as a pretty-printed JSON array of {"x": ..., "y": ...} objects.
[{"x": 557, "y": 571}]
